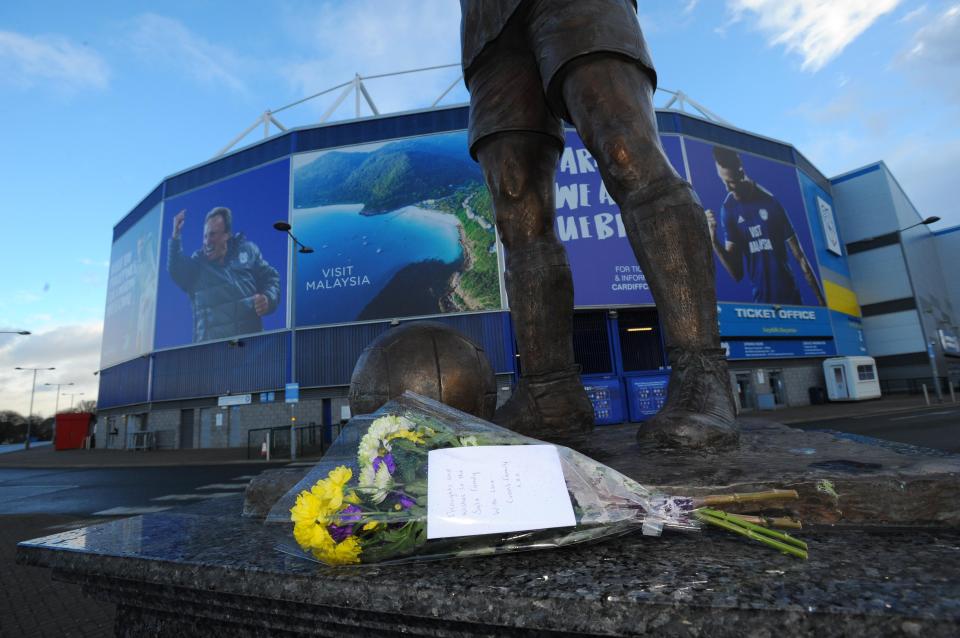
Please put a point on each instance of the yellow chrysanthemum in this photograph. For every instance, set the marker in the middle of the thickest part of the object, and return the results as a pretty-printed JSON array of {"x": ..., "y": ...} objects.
[
  {"x": 329, "y": 495},
  {"x": 346, "y": 552},
  {"x": 307, "y": 508},
  {"x": 371, "y": 525},
  {"x": 340, "y": 475},
  {"x": 413, "y": 437}
]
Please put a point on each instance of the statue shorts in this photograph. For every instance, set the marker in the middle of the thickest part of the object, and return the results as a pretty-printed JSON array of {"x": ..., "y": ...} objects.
[{"x": 511, "y": 80}]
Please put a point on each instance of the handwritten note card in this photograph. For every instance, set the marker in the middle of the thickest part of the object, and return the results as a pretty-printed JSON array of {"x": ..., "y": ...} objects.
[{"x": 496, "y": 488}]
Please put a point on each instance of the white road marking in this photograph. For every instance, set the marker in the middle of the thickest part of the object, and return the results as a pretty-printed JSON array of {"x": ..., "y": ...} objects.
[
  {"x": 301, "y": 463},
  {"x": 224, "y": 486},
  {"x": 907, "y": 418},
  {"x": 130, "y": 511},
  {"x": 181, "y": 497},
  {"x": 245, "y": 477}
]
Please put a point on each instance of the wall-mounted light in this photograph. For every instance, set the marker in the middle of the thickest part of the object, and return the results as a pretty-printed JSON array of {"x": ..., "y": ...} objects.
[{"x": 640, "y": 329}]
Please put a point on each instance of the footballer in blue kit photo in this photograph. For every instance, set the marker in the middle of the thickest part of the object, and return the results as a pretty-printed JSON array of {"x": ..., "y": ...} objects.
[{"x": 753, "y": 237}]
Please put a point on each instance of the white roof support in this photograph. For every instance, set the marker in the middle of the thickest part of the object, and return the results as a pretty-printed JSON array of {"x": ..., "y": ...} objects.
[
  {"x": 681, "y": 100},
  {"x": 678, "y": 101}
]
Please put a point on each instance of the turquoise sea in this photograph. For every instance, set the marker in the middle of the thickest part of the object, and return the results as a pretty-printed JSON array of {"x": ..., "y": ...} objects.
[{"x": 373, "y": 266}]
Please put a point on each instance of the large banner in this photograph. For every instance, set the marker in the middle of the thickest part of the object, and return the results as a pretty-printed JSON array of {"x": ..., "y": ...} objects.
[
  {"x": 402, "y": 228},
  {"x": 223, "y": 266},
  {"x": 605, "y": 272},
  {"x": 760, "y": 234},
  {"x": 132, "y": 291}
]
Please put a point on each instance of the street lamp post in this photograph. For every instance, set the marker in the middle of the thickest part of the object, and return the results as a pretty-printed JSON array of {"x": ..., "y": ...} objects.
[
  {"x": 284, "y": 227},
  {"x": 931, "y": 345},
  {"x": 928, "y": 343},
  {"x": 71, "y": 395},
  {"x": 33, "y": 389},
  {"x": 57, "y": 403}
]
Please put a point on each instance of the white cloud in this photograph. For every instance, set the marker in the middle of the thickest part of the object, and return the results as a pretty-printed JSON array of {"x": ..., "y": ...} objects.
[
  {"x": 395, "y": 36},
  {"x": 933, "y": 55},
  {"x": 818, "y": 30},
  {"x": 926, "y": 168},
  {"x": 74, "y": 350},
  {"x": 27, "y": 61},
  {"x": 910, "y": 16},
  {"x": 167, "y": 41}
]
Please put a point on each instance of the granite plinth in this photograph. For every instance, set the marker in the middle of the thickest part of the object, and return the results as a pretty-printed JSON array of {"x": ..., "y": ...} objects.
[
  {"x": 209, "y": 571},
  {"x": 841, "y": 479}
]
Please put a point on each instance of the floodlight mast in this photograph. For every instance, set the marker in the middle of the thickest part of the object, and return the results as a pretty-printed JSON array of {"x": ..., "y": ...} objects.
[{"x": 678, "y": 101}]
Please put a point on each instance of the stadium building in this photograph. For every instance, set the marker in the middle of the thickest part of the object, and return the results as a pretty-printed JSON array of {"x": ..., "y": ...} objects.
[{"x": 202, "y": 354}]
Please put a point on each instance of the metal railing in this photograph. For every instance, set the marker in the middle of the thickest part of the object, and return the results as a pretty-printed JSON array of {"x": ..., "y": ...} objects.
[
  {"x": 913, "y": 386},
  {"x": 274, "y": 443}
]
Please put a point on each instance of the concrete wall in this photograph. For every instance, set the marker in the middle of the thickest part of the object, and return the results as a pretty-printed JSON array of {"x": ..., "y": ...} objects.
[{"x": 798, "y": 377}]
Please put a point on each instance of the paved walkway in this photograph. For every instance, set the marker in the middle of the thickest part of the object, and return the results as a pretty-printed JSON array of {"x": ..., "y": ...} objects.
[
  {"x": 840, "y": 410},
  {"x": 16, "y": 447},
  {"x": 32, "y": 604},
  {"x": 49, "y": 457},
  {"x": 46, "y": 456}
]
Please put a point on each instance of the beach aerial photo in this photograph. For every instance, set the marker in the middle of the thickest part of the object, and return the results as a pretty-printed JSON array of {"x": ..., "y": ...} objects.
[{"x": 402, "y": 228}]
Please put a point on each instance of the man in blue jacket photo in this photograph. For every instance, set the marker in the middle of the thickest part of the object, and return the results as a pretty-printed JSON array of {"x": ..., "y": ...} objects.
[{"x": 230, "y": 285}]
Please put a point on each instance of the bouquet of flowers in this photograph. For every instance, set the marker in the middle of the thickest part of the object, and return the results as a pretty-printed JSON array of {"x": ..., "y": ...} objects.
[{"x": 420, "y": 480}]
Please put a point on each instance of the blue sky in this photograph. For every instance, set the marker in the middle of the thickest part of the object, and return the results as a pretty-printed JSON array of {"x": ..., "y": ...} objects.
[{"x": 102, "y": 100}]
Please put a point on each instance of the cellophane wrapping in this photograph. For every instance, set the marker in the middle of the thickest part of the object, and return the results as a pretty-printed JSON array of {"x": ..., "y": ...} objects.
[{"x": 366, "y": 500}]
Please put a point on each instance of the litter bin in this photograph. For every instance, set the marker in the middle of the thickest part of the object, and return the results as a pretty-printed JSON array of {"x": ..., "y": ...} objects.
[{"x": 818, "y": 396}]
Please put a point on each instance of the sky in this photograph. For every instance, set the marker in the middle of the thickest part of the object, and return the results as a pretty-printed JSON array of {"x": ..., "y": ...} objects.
[{"x": 101, "y": 101}]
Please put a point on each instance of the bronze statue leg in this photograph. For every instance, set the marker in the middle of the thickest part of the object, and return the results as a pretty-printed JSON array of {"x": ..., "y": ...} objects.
[
  {"x": 550, "y": 402},
  {"x": 610, "y": 100}
]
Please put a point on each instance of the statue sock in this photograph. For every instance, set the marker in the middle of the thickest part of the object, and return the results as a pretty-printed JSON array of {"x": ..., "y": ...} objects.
[
  {"x": 550, "y": 402},
  {"x": 668, "y": 231}
]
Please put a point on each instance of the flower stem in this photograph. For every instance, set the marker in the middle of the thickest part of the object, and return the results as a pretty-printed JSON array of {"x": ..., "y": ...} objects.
[
  {"x": 784, "y": 522},
  {"x": 730, "y": 522},
  {"x": 748, "y": 497}
]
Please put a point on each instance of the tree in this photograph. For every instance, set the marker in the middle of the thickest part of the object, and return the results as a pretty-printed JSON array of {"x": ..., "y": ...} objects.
[{"x": 87, "y": 406}]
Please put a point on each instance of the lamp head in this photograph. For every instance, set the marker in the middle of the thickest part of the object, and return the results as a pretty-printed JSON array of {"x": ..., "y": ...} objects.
[
  {"x": 933, "y": 219},
  {"x": 282, "y": 226},
  {"x": 306, "y": 250}
]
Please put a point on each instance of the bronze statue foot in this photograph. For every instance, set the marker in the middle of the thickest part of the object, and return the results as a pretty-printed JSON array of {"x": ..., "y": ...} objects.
[
  {"x": 552, "y": 407},
  {"x": 700, "y": 413}
]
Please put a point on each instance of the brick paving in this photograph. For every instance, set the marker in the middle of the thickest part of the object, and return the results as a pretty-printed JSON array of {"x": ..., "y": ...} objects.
[{"x": 32, "y": 604}]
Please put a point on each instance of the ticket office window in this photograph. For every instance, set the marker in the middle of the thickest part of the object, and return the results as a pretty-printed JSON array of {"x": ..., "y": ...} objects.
[
  {"x": 591, "y": 342},
  {"x": 641, "y": 346}
]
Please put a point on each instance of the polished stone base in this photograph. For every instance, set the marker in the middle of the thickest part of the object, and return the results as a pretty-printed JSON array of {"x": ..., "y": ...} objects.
[{"x": 205, "y": 569}]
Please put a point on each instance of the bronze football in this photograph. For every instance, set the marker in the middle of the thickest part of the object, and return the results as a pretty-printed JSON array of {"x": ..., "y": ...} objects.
[{"x": 429, "y": 358}]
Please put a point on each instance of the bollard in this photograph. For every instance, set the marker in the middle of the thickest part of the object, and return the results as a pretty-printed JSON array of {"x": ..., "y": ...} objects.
[
  {"x": 926, "y": 395},
  {"x": 269, "y": 432},
  {"x": 953, "y": 396}
]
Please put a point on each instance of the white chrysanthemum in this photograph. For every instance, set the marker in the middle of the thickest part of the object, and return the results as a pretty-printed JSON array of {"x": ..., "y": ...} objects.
[
  {"x": 468, "y": 440},
  {"x": 376, "y": 442},
  {"x": 375, "y": 485}
]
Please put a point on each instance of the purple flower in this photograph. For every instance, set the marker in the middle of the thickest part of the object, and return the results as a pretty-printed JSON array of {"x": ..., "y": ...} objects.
[
  {"x": 348, "y": 515},
  {"x": 339, "y": 532},
  {"x": 406, "y": 502},
  {"x": 388, "y": 459}
]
